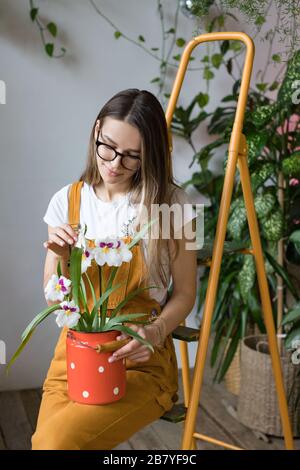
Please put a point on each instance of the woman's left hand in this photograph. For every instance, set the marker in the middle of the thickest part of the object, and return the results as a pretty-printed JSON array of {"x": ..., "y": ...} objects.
[{"x": 134, "y": 350}]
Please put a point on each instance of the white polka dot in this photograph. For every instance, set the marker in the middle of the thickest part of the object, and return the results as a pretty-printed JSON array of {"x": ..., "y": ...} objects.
[
  {"x": 72, "y": 365},
  {"x": 85, "y": 394},
  {"x": 116, "y": 390},
  {"x": 101, "y": 369}
]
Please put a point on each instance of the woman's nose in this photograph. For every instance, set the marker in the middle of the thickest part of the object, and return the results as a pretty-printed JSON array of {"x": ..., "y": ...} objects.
[{"x": 116, "y": 163}]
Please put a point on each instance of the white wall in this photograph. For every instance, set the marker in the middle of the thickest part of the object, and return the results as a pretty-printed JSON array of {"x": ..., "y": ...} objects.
[{"x": 45, "y": 124}]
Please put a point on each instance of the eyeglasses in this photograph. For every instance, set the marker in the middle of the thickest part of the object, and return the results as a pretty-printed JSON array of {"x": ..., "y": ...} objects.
[{"x": 108, "y": 153}]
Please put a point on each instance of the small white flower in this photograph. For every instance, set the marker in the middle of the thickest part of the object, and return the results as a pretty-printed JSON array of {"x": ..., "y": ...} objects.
[
  {"x": 86, "y": 260},
  {"x": 69, "y": 315},
  {"x": 81, "y": 240},
  {"x": 112, "y": 251},
  {"x": 296, "y": 354},
  {"x": 57, "y": 288}
]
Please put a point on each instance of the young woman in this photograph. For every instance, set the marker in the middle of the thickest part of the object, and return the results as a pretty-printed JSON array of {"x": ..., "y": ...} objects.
[{"x": 128, "y": 167}]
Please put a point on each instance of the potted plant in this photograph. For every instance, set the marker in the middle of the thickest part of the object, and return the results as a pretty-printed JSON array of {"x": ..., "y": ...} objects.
[{"x": 92, "y": 334}]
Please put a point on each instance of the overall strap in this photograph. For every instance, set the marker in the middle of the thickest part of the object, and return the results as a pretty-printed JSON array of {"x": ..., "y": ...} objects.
[{"x": 74, "y": 202}]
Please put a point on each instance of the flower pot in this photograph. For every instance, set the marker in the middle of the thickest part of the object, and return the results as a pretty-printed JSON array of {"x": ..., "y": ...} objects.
[{"x": 91, "y": 378}]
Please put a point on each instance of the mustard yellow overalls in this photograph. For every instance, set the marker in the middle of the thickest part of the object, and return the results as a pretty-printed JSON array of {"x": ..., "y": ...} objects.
[{"x": 151, "y": 386}]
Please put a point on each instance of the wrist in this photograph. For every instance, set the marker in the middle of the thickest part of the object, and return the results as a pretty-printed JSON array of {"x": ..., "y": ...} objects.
[{"x": 158, "y": 330}]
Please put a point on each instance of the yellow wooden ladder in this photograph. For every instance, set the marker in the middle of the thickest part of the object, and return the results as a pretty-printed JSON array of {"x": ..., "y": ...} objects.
[{"x": 237, "y": 155}]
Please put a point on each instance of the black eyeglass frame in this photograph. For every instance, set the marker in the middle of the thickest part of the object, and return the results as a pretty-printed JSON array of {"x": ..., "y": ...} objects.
[{"x": 99, "y": 142}]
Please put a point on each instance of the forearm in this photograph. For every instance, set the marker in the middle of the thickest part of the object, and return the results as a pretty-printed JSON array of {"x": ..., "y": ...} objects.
[
  {"x": 176, "y": 310},
  {"x": 173, "y": 313}
]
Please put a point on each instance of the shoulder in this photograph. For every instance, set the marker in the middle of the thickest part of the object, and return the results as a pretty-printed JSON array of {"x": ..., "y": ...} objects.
[
  {"x": 57, "y": 210},
  {"x": 63, "y": 193},
  {"x": 61, "y": 196},
  {"x": 178, "y": 195}
]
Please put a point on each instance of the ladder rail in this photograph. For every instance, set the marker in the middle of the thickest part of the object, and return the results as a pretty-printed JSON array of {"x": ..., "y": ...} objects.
[{"x": 237, "y": 152}]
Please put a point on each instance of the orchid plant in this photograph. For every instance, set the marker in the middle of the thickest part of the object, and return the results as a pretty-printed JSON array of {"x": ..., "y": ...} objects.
[{"x": 70, "y": 293}]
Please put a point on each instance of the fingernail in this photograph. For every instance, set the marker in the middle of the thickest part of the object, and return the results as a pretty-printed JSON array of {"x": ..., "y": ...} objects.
[
  {"x": 110, "y": 359},
  {"x": 118, "y": 337}
]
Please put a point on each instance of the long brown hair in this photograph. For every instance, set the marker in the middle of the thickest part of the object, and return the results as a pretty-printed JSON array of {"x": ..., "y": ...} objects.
[{"x": 153, "y": 183}]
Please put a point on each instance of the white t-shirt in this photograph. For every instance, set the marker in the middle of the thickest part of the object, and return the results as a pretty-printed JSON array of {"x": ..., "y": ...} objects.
[{"x": 111, "y": 218}]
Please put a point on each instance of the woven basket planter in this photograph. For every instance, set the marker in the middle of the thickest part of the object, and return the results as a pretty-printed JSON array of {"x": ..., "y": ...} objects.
[
  {"x": 232, "y": 377},
  {"x": 258, "y": 405}
]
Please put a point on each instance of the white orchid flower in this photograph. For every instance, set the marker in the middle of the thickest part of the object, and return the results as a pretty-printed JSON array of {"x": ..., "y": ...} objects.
[
  {"x": 81, "y": 240},
  {"x": 57, "y": 288},
  {"x": 69, "y": 315},
  {"x": 125, "y": 252},
  {"x": 112, "y": 251},
  {"x": 86, "y": 260}
]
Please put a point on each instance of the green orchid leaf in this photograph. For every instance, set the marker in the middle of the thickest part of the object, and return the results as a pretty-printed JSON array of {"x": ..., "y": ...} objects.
[
  {"x": 83, "y": 295},
  {"x": 130, "y": 332},
  {"x": 38, "y": 319},
  {"x": 59, "y": 268},
  {"x": 91, "y": 287},
  {"x": 75, "y": 273},
  {"x": 129, "y": 297},
  {"x": 19, "y": 350},
  {"x": 129, "y": 317},
  {"x": 105, "y": 296}
]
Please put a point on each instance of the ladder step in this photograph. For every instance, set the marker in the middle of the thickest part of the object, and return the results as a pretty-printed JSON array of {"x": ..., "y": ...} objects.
[
  {"x": 185, "y": 333},
  {"x": 175, "y": 414},
  {"x": 204, "y": 255}
]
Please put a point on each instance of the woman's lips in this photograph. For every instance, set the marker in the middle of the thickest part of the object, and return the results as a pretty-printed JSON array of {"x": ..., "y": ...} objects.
[{"x": 112, "y": 173}]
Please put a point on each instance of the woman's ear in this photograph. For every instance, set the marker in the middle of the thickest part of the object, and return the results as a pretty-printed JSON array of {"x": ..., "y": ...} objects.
[{"x": 97, "y": 126}]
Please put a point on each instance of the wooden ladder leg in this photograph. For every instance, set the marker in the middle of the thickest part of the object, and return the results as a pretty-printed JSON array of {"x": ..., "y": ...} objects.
[
  {"x": 210, "y": 296},
  {"x": 264, "y": 293},
  {"x": 186, "y": 381}
]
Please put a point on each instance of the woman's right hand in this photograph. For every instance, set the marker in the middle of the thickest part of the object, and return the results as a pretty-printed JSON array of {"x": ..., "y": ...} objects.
[{"x": 60, "y": 239}]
